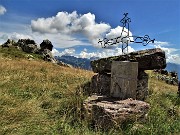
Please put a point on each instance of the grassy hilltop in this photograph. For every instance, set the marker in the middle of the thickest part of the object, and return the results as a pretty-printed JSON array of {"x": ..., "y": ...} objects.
[{"x": 38, "y": 97}]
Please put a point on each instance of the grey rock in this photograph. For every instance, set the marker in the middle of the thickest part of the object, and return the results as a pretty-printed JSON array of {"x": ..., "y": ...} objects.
[
  {"x": 147, "y": 60},
  {"x": 142, "y": 86},
  {"x": 124, "y": 79},
  {"x": 46, "y": 44},
  {"x": 100, "y": 84},
  {"x": 28, "y": 45},
  {"x": 47, "y": 56},
  {"x": 109, "y": 113}
]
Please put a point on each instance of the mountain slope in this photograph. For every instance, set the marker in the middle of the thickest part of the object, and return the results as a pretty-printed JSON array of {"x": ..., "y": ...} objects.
[
  {"x": 82, "y": 63},
  {"x": 173, "y": 67},
  {"x": 38, "y": 97}
]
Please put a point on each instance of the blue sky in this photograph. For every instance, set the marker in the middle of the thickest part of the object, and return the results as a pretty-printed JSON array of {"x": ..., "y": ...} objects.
[{"x": 74, "y": 26}]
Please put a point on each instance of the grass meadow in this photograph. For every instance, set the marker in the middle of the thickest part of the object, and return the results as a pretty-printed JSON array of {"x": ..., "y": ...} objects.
[{"x": 40, "y": 98}]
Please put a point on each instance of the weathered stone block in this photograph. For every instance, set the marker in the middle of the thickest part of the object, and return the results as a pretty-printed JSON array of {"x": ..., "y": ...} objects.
[
  {"x": 101, "y": 83},
  {"x": 124, "y": 79},
  {"x": 148, "y": 60},
  {"x": 107, "y": 112},
  {"x": 142, "y": 86}
]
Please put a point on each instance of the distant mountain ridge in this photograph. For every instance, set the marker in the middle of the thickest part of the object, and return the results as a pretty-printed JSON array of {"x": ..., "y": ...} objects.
[
  {"x": 172, "y": 67},
  {"x": 82, "y": 63}
]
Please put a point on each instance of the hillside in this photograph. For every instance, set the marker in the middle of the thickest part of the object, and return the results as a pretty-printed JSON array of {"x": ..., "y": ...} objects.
[
  {"x": 82, "y": 63},
  {"x": 38, "y": 97}
]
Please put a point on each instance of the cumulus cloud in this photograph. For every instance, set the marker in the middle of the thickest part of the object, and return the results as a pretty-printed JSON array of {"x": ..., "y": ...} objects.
[
  {"x": 106, "y": 53},
  {"x": 116, "y": 32},
  {"x": 85, "y": 54},
  {"x": 172, "y": 54},
  {"x": 16, "y": 36},
  {"x": 68, "y": 51},
  {"x": 2, "y": 10},
  {"x": 76, "y": 24}
]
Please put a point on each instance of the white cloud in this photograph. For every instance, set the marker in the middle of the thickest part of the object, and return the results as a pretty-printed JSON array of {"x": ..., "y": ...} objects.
[
  {"x": 85, "y": 54},
  {"x": 116, "y": 32},
  {"x": 2, "y": 10},
  {"x": 160, "y": 43},
  {"x": 104, "y": 53},
  {"x": 76, "y": 24},
  {"x": 172, "y": 54},
  {"x": 69, "y": 52},
  {"x": 16, "y": 36}
]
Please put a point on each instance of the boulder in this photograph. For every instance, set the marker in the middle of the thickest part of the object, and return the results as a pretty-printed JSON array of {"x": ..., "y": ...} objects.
[
  {"x": 47, "y": 56},
  {"x": 100, "y": 84},
  {"x": 142, "y": 86},
  {"x": 30, "y": 48},
  {"x": 108, "y": 113},
  {"x": 28, "y": 45},
  {"x": 147, "y": 60},
  {"x": 46, "y": 44}
]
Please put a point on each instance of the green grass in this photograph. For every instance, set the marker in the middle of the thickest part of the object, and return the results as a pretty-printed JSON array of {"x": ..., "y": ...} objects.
[
  {"x": 13, "y": 53},
  {"x": 38, "y": 97}
]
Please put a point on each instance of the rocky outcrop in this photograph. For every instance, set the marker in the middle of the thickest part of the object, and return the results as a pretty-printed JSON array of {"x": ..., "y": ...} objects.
[
  {"x": 109, "y": 113},
  {"x": 46, "y": 44},
  {"x": 9, "y": 43},
  {"x": 45, "y": 49},
  {"x": 147, "y": 60},
  {"x": 47, "y": 56},
  {"x": 28, "y": 45}
]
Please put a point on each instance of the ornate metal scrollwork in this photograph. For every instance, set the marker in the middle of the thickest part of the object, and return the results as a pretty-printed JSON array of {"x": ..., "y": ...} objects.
[{"x": 125, "y": 40}]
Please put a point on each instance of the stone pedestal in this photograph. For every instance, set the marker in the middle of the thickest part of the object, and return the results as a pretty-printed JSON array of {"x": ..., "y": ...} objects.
[
  {"x": 124, "y": 79},
  {"x": 109, "y": 113}
]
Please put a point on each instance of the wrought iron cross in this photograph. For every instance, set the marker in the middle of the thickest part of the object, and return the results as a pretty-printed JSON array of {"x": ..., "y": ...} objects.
[{"x": 121, "y": 39}]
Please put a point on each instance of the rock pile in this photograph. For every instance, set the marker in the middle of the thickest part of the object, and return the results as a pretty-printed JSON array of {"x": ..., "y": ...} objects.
[
  {"x": 9, "y": 43},
  {"x": 167, "y": 77},
  {"x": 106, "y": 110},
  {"x": 30, "y": 46}
]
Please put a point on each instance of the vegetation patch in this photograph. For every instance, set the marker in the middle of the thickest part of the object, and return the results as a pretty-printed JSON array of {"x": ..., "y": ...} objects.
[{"x": 37, "y": 97}]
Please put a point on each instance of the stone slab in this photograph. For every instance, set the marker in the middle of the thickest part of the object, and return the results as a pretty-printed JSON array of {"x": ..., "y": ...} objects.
[
  {"x": 110, "y": 113},
  {"x": 148, "y": 60},
  {"x": 124, "y": 79}
]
